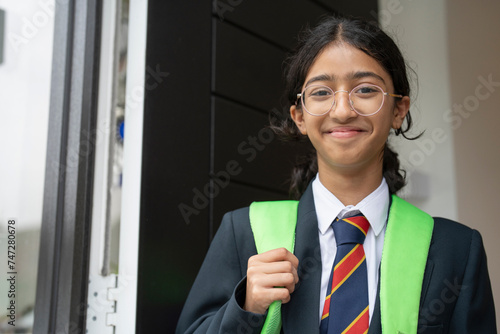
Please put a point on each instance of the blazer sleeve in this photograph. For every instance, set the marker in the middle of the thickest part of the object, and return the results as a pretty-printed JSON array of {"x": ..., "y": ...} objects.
[
  {"x": 475, "y": 310},
  {"x": 214, "y": 302}
]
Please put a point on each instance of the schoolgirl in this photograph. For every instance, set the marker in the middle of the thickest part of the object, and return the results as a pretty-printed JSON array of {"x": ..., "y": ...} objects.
[{"x": 348, "y": 89}]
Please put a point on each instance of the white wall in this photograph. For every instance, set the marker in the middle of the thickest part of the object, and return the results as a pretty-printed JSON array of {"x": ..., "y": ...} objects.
[
  {"x": 419, "y": 28},
  {"x": 24, "y": 108},
  {"x": 474, "y": 48}
]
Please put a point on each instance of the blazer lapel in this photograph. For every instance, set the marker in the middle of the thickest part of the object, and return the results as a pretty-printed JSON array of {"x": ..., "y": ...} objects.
[
  {"x": 301, "y": 314},
  {"x": 429, "y": 268}
]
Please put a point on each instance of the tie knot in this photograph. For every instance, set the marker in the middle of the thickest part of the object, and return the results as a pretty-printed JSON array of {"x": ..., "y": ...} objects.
[{"x": 351, "y": 230}]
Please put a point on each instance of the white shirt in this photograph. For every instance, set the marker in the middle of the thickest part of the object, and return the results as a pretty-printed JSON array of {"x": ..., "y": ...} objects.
[{"x": 375, "y": 208}]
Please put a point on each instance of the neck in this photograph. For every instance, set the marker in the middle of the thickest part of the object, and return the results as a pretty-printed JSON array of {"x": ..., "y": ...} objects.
[{"x": 348, "y": 186}]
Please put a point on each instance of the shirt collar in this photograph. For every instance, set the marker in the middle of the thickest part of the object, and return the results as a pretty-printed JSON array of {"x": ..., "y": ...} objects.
[{"x": 374, "y": 207}]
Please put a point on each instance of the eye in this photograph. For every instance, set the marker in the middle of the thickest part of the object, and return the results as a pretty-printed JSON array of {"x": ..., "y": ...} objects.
[
  {"x": 318, "y": 92},
  {"x": 366, "y": 91}
]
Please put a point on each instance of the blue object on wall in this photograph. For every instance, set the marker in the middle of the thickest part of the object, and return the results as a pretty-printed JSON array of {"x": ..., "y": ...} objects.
[{"x": 121, "y": 129}]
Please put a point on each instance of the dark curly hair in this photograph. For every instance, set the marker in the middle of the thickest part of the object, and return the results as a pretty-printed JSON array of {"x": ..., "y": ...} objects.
[{"x": 367, "y": 37}]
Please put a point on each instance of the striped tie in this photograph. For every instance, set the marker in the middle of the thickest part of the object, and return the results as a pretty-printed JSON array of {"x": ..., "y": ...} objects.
[{"x": 346, "y": 303}]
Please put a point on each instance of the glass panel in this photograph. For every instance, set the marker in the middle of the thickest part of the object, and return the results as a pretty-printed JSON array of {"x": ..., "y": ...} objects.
[
  {"x": 104, "y": 248},
  {"x": 116, "y": 189},
  {"x": 25, "y": 70}
]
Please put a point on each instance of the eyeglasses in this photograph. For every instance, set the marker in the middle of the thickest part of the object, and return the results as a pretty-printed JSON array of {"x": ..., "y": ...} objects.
[{"x": 365, "y": 99}]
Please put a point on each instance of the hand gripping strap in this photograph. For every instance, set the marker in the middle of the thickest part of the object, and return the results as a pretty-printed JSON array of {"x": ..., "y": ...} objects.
[
  {"x": 273, "y": 226},
  {"x": 406, "y": 246}
]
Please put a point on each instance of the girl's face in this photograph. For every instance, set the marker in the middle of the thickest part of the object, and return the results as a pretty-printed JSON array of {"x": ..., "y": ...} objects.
[{"x": 344, "y": 140}]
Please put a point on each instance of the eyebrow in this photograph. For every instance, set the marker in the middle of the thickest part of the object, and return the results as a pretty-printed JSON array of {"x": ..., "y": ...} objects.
[{"x": 350, "y": 76}]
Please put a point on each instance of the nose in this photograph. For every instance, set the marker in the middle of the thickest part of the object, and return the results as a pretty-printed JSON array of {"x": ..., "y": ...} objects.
[{"x": 342, "y": 108}]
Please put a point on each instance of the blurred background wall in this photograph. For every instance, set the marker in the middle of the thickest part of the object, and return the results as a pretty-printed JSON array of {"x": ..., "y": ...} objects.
[
  {"x": 24, "y": 108},
  {"x": 474, "y": 66}
]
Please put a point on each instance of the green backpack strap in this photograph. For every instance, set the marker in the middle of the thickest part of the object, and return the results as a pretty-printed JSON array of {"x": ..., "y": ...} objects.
[
  {"x": 404, "y": 256},
  {"x": 273, "y": 226}
]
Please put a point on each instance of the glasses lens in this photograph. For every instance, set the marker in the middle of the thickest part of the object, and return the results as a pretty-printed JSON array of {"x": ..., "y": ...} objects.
[
  {"x": 367, "y": 99},
  {"x": 318, "y": 100}
]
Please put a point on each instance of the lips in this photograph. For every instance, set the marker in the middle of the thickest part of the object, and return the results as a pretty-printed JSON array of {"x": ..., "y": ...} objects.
[{"x": 345, "y": 132}]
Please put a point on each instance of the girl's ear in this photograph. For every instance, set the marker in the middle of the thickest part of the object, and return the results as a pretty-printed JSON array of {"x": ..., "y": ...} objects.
[
  {"x": 400, "y": 110},
  {"x": 298, "y": 118}
]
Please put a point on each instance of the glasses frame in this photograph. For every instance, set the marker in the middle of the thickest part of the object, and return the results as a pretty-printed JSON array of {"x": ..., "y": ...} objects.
[{"x": 300, "y": 96}]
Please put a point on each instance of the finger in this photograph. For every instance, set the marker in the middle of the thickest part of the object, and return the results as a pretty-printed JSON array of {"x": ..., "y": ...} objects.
[
  {"x": 287, "y": 298},
  {"x": 258, "y": 298},
  {"x": 265, "y": 297},
  {"x": 276, "y": 268},
  {"x": 280, "y": 294},
  {"x": 273, "y": 280},
  {"x": 293, "y": 259},
  {"x": 274, "y": 255},
  {"x": 279, "y": 267},
  {"x": 273, "y": 267}
]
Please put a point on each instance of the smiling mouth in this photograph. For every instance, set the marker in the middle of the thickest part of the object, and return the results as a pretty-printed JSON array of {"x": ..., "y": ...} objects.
[{"x": 346, "y": 132}]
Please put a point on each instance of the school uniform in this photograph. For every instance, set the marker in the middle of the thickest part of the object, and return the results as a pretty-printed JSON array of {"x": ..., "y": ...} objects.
[{"x": 456, "y": 292}]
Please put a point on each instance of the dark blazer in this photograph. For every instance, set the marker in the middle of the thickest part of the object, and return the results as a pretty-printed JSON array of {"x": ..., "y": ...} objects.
[{"x": 456, "y": 292}]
